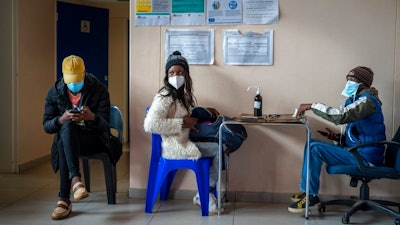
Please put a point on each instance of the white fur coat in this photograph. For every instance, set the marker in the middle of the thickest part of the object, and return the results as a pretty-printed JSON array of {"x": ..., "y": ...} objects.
[{"x": 165, "y": 117}]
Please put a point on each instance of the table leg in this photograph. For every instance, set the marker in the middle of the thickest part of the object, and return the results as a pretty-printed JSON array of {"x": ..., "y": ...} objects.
[
  {"x": 219, "y": 192},
  {"x": 308, "y": 168}
]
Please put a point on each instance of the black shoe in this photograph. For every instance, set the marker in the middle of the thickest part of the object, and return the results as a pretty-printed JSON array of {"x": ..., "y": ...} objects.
[
  {"x": 299, "y": 206},
  {"x": 298, "y": 196}
]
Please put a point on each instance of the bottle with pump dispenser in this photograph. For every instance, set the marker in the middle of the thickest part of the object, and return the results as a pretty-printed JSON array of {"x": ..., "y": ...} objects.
[{"x": 257, "y": 105}]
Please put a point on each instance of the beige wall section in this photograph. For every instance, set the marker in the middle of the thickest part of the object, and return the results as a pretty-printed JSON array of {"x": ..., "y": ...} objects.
[
  {"x": 144, "y": 81},
  {"x": 396, "y": 83},
  {"x": 36, "y": 73},
  {"x": 8, "y": 71},
  {"x": 315, "y": 44}
]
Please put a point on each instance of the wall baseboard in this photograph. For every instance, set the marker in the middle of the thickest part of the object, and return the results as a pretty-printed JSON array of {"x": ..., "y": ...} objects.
[
  {"x": 33, "y": 163},
  {"x": 249, "y": 196},
  {"x": 231, "y": 196}
]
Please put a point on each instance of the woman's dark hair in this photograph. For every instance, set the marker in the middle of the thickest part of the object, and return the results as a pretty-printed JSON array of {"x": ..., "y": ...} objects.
[{"x": 184, "y": 94}]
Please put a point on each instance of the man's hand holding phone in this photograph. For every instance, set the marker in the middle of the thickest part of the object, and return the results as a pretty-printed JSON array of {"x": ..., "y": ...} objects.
[
  {"x": 75, "y": 110},
  {"x": 78, "y": 114},
  {"x": 75, "y": 114}
]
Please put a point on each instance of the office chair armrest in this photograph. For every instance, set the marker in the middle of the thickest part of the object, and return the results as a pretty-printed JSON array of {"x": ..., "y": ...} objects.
[{"x": 358, "y": 157}]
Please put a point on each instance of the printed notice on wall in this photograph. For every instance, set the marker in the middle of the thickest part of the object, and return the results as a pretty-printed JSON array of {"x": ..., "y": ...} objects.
[
  {"x": 250, "y": 48},
  {"x": 261, "y": 11},
  {"x": 197, "y": 46},
  {"x": 224, "y": 12},
  {"x": 188, "y": 12},
  {"x": 152, "y": 12}
]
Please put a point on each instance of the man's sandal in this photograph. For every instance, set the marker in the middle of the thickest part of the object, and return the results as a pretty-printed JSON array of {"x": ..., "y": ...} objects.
[
  {"x": 79, "y": 191},
  {"x": 62, "y": 211}
]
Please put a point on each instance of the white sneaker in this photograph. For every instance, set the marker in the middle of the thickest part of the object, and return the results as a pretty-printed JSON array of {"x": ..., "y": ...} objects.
[
  {"x": 196, "y": 199},
  {"x": 212, "y": 203}
]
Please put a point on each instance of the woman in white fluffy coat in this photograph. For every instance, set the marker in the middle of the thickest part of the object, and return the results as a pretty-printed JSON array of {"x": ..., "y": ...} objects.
[{"x": 169, "y": 116}]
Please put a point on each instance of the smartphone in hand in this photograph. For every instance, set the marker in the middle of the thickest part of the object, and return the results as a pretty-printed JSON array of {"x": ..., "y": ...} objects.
[
  {"x": 323, "y": 133},
  {"x": 75, "y": 110}
]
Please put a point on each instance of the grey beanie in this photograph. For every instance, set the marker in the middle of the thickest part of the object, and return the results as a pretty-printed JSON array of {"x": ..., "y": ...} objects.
[{"x": 176, "y": 58}]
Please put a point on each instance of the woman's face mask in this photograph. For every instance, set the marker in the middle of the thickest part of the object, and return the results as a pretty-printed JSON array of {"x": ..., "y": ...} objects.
[
  {"x": 350, "y": 89},
  {"x": 75, "y": 87},
  {"x": 176, "y": 81}
]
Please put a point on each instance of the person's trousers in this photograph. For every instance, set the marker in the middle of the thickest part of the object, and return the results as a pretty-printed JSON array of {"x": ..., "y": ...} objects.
[
  {"x": 210, "y": 149},
  {"x": 322, "y": 151},
  {"x": 75, "y": 141}
]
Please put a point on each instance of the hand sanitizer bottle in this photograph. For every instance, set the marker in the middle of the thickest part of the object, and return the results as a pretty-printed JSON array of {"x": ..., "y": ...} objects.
[{"x": 257, "y": 105}]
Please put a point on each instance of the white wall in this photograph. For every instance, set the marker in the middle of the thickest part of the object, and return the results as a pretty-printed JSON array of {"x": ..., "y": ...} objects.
[{"x": 315, "y": 44}]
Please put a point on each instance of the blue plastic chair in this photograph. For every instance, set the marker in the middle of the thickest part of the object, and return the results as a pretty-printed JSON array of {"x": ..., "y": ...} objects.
[{"x": 162, "y": 172}]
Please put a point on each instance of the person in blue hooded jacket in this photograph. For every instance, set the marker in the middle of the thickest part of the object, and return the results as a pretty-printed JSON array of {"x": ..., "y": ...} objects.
[{"x": 364, "y": 121}]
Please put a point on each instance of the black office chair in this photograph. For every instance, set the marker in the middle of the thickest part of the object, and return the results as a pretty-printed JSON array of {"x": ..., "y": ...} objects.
[
  {"x": 365, "y": 174},
  {"x": 110, "y": 172}
]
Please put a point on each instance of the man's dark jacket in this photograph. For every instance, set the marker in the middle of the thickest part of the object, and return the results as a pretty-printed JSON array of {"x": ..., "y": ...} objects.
[{"x": 94, "y": 95}]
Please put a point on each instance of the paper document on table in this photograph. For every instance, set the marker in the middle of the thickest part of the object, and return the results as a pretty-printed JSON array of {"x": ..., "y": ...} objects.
[
  {"x": 270, "y": 118},
  {"x": 282, "y": 118},
  {"x": 295, "y": 112},
  {"x": 244, "y": 117}
]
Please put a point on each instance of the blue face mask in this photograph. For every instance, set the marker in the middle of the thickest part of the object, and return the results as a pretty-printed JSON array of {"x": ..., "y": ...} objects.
[
  {"x": 75, "y": 87},
  {"x": 350, "y": 89}
]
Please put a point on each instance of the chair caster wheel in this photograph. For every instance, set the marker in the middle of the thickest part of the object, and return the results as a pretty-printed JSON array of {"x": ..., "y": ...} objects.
[
  {"x": 345, "y": 219},
  {"x": 321, "y": 208},
  {"x": 397, "y": 221}
]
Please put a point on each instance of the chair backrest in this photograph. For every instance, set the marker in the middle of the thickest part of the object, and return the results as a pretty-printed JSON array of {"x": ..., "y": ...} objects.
[
  {"x": 392, "y": 153},
  {"x": 116, "y": 120},
  {"x": 155, "y": 145}
]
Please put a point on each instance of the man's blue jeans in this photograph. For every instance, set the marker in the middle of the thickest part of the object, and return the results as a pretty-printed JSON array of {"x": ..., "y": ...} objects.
[{"x": 322, "y": 151}]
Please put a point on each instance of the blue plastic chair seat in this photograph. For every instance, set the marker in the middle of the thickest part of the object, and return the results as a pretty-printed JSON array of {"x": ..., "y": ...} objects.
[{"x": 162, "y": 172}]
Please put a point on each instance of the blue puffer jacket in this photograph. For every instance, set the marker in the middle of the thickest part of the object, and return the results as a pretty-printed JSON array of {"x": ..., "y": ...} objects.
[
  {"x": 364, "y": 119},
  {"x": 368, "y": 129}
]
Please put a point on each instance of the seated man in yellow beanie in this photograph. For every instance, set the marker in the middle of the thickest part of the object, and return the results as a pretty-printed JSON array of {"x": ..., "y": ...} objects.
[{"x": 77, "y": 111}]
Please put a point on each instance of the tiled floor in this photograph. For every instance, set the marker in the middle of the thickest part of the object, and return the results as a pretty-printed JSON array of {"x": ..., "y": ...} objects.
[{"x": 29, "y": 198}]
